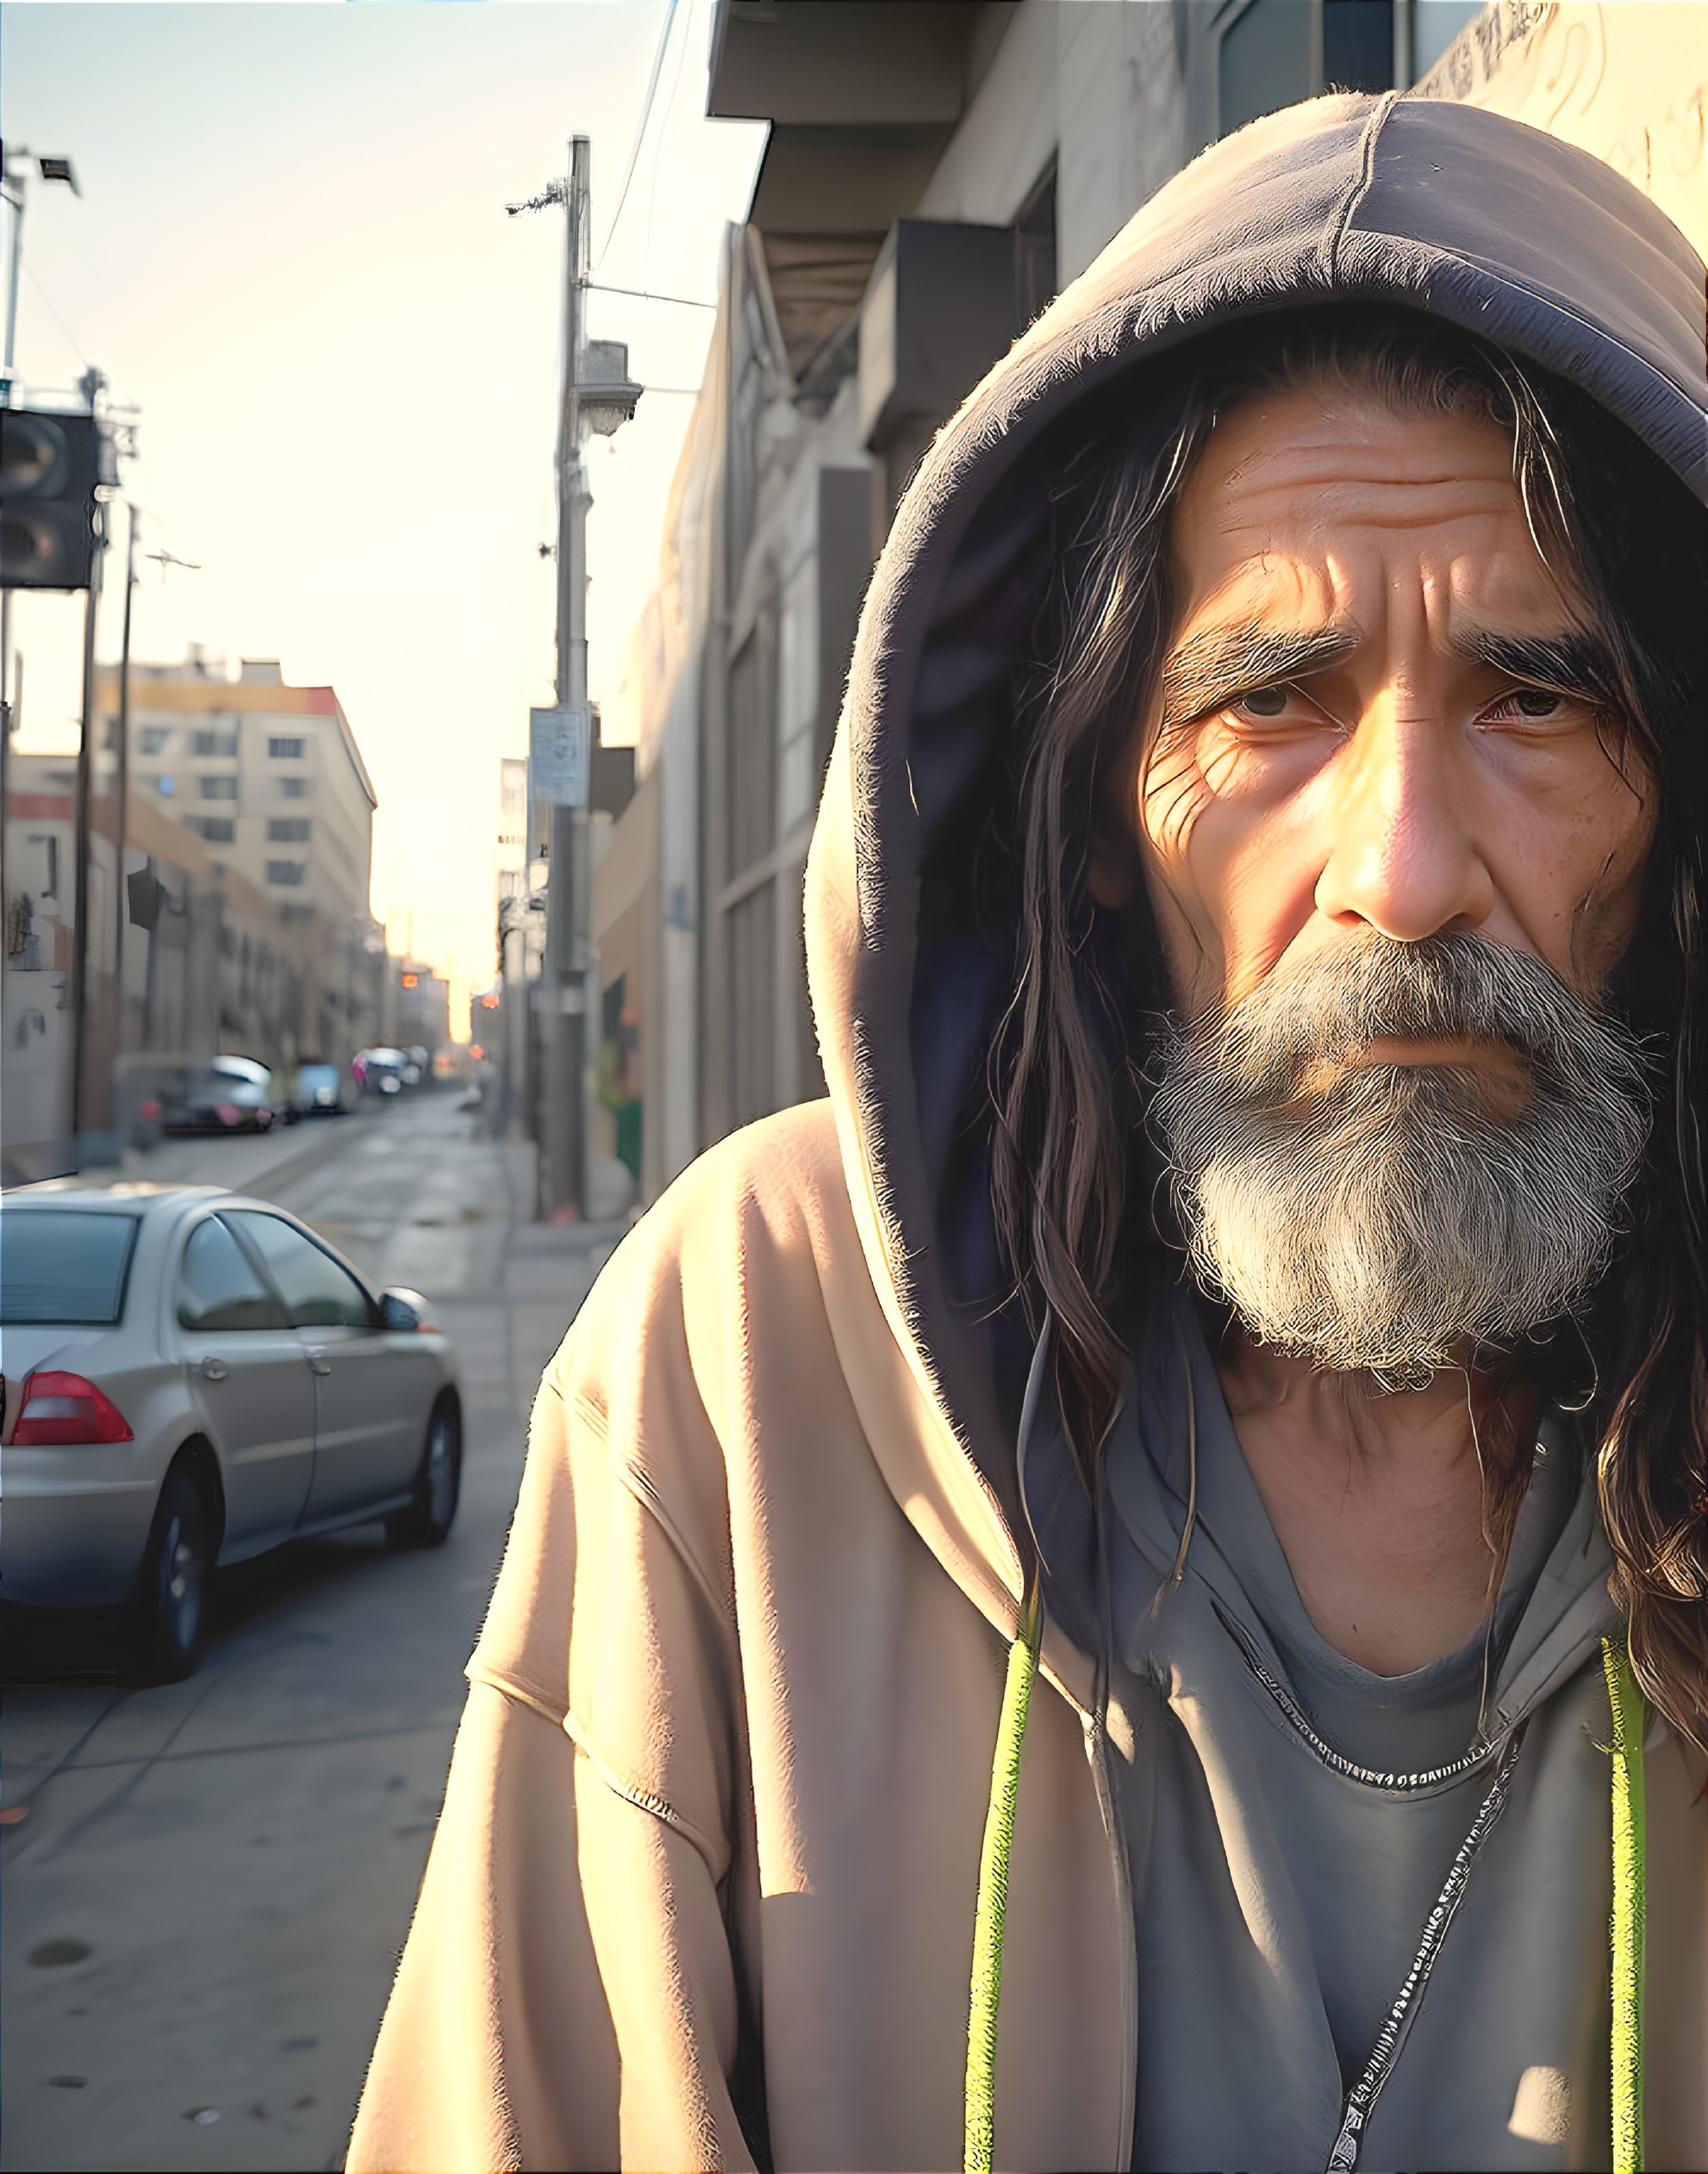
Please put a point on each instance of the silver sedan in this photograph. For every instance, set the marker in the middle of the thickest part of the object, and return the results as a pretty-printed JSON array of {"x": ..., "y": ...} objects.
[{"x": 191, "y": 1378}]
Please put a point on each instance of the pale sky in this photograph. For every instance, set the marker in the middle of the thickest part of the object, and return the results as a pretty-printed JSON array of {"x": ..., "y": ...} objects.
[{"x": 291, "y": 253}]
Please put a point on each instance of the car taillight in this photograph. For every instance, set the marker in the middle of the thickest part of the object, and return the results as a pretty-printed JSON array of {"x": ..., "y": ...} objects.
[{"x": 63, "y": 1407}]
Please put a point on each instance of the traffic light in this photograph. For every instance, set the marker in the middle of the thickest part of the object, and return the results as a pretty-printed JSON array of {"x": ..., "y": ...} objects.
[
  {"x": 49, "y": 466},
  {"x": 410, "y": 981}
]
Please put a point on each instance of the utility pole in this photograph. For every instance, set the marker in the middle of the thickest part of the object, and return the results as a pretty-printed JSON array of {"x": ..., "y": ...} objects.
[
  {"x": 121, "y": 901},
  {"x": 599, "y": 397},
  {"x": 90, "y": 384},
  {"x": 564, "y": 1149},
  {"x": 14, "y": 164}
]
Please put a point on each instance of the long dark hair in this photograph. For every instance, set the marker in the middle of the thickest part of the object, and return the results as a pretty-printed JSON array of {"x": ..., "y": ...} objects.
[{"x": 1073, "y": 1212}]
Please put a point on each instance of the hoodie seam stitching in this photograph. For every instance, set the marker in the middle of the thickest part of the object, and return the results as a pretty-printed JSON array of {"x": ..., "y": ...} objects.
[
  {"x": 635, "y": 1793},
  {"x": 564, "y": 1719},
  {"x": 638, "y": 1485},
  {"x": 1361, "y": 187}
]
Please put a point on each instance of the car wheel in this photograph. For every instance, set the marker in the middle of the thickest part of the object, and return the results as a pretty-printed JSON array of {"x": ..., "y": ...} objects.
[
  {"x": 426, "y": 1523},
  {"x": 172, "y": 1587}
]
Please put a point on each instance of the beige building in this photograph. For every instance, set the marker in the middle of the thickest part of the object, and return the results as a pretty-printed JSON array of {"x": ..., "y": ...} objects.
[
  {"x": 183, "y": 958},
  {"x": 268, "y": 775}
]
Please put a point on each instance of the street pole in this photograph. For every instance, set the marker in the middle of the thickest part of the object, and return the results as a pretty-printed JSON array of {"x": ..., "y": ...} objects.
[
  {"x": 86, "y": 756},
  {"x": 14, "y": 170},
  {"x": 563, "y": 1157},
  {"x": 12, "y": 192},
  {"x": 120, "y": 902}
]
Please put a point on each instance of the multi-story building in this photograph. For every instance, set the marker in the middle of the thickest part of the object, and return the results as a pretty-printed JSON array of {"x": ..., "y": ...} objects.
[
  {"x": 182, "y": 959},
  {"x": 933, "y": 173},
  {"x": 268, "y": 775}
]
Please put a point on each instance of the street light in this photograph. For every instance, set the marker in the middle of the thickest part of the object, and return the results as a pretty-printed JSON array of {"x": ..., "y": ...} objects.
[{"x": 607, "y": 395}]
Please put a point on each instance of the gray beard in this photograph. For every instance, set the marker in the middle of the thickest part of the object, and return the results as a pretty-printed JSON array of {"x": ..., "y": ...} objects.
[{"x": 1391, "y": 1222}]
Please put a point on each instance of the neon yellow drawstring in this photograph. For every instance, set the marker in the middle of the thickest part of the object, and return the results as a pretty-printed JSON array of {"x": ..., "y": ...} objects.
[
  {"x": 1630, "y": 1727},
  {"x": 993, "y": 1896}
]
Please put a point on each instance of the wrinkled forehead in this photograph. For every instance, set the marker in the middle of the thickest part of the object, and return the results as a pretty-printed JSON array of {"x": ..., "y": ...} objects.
[{"x": 1319, "y": 505}]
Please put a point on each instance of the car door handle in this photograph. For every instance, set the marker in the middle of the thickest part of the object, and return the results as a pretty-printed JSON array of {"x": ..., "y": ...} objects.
[
  {"x": 213, "y": 1369},
  {"x": 318, "y": 1363}
]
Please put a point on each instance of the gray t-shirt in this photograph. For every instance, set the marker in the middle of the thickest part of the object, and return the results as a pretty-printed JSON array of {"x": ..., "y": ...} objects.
[
  {"x": 1369, "y": 1862},
  {"x": 1350, "y": 1898}
]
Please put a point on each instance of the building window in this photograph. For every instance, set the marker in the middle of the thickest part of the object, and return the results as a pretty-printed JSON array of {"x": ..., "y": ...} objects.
[
  {"x": 291, "y": 788},
  {"x": 218, "y": 788},
  {"x": 214, "y": 744},
  {"x": 218, "y": 830},
  {"x": 1435, "y": 25},
  {"x": 288, "y": 830},
  {"x": 753, "y": 951},
  {"x": 152, "y": 737},
  {"x": 285, "y": 871},
  {"x": 1035, "y": 246},
  {"x": 1273, "y": 52},
  {"x": 753, "y": 750},
  {"x": 286, "y": 750},
  {"x": 49, "y": 886},
  {"x": 1357, "y": 45}
]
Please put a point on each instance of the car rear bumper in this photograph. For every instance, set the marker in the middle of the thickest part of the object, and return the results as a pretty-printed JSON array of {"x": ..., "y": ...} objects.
[{"x": 73, "y": 1525}]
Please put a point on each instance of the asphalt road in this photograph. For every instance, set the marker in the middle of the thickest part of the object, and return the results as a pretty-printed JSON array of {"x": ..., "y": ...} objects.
[{"x": 209, "y": 1883}]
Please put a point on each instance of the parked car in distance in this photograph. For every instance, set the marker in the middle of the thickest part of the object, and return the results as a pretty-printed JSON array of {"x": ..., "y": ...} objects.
[
  {"x": 379, "y": 1071},
  {"x": 195, "y": 1378},
  {"x": 219, "y": 1101},
  {"x": 321, "y": 1091}
]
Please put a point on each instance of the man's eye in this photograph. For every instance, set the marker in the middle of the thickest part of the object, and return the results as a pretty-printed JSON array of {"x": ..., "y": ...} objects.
[
  {"x": 1265, "y": 702},
  {"x": 1525, "y": 706}
]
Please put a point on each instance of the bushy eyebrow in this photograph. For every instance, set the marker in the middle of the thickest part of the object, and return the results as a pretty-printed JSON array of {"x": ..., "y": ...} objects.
[
  {"x": 1574, "y": 663},
  {"x": 1216, "y": 666}
]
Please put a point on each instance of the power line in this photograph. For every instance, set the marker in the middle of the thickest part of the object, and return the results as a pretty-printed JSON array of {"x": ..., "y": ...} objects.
[
  {"x": 644, "y": 294},
  {"x": 55, "y": 315},
  {"x": 683, "y": 44},
  {"x": 640, "y": 132}
]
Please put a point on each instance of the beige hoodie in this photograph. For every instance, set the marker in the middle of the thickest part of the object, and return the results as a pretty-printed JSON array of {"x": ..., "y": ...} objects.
[{"x": 702, "y": 1893}]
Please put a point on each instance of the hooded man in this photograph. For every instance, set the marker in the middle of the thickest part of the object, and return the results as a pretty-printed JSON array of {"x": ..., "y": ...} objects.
[{"x": 1128, "y": 1591}]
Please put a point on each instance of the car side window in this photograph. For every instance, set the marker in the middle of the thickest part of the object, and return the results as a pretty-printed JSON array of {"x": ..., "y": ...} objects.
[
  {"x": 319, "y": 1292},
  {"x": 218, "y": 1287}
]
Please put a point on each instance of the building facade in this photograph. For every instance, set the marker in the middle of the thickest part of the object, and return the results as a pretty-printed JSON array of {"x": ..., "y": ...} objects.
[
  {"x": 268, "y": 775},
  {"x": 183, "y": 958},
  {"x": 228, "y": 851}
]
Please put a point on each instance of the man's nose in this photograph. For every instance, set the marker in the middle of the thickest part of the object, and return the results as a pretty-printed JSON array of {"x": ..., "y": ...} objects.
[{"x": 1402, "y": 856}]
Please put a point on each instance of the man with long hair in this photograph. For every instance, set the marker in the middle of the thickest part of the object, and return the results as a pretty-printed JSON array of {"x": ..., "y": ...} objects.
[{"x": 1130, "y": 1590}]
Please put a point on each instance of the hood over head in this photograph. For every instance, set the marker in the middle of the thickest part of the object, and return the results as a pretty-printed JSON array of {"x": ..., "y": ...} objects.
[{"x": 1461, "y": 214}]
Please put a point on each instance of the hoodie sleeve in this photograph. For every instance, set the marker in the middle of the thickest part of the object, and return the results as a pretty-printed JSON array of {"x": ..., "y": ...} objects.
[{"x": 568, "y": 1995}]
